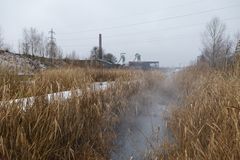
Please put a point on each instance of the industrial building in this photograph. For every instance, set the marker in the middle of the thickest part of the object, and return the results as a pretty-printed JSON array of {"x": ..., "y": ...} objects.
[{"x": 145, "y": 65}]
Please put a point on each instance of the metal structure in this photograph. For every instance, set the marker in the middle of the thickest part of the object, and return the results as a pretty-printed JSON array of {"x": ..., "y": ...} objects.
[
  {"x": 145, "y": 65},
  {"x": 52, "y": 44},
  {"x": 122, "y": 58},
  {"x": 137, "y": 57}
]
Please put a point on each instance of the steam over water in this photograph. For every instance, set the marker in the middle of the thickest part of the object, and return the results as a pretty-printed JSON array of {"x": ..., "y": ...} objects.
[{"x": 138, "y": 133}]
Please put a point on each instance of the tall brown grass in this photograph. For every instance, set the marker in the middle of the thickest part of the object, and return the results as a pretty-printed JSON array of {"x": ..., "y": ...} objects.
[
  {"x": 82, "y": 127},
  {"x": 55, "y": 80},
  {"x": 206, "y": 122}
]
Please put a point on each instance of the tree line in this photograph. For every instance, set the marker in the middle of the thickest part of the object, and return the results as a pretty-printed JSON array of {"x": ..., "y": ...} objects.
[
  {"x": 95, "y": 55},
  {"x": 218, "y": 48},
  {"x": 35, "y": 43}
]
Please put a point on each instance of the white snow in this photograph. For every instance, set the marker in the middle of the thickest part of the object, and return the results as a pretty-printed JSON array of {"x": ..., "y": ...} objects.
[
  {"x": 19, "y": 63},
  {"x": 65, "y": 95}
]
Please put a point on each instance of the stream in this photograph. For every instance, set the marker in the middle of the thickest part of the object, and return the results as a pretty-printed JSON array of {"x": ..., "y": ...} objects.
[{"x": 139, "y": 133}]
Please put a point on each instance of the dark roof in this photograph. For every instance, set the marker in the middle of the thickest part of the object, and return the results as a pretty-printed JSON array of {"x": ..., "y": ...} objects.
[{"x": 144, "y": 62}]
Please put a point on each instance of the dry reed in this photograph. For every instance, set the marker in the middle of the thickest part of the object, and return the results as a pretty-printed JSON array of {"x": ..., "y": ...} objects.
[
  {"x": 82, "y": 127},
  {"x": 206, "y": 122}
]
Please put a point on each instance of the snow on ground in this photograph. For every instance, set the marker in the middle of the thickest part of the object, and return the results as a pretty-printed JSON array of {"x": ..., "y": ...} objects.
[
  {"x": 23, "y": 65},
  {"x": 65, "y": 95}
]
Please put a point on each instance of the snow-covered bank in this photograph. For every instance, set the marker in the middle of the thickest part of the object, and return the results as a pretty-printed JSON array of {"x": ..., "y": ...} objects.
[
  {"x": 29, "y": 101},
  {"x": 20, "y": 63}
]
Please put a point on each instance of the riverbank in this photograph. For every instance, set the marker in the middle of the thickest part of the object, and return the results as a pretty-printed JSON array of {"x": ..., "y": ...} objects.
[
  {"x": 205, "y": 120},
  {"x": 70, "y": 126}
]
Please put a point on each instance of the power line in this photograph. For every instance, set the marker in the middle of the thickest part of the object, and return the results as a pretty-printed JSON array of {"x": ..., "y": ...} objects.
[
  {"x": 52, "y": 33},
  {"x": 158, "y": 20},
  {"x": 166, "y": 7},
  {"x": 179, "y": 36},
  {"x": 150, "y": 41},
  {"x": 141, "y": 33},
  {"x": 52, "y": 44}
]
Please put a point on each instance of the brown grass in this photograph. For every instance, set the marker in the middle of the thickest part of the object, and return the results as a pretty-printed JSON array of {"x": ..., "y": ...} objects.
[
  {"x": 55, "y": 80},
  {"x": 79, "y": 128},
  {"x": 206, "y": 123}
]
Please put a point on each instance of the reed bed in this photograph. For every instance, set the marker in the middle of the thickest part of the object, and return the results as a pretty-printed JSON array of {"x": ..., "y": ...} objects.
[
  {"x": 82, "y": 127},
  {"x": 205, "y": 123},
  {"x": 13, "y": 86}
]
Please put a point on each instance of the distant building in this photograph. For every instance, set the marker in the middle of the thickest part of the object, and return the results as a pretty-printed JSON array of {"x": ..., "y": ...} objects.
[
  {"x": 145, "y": 65},
  {"x": 92, "y": 63}
]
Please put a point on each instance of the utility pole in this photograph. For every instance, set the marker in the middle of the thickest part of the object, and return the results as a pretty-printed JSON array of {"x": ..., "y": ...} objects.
[
  {"x": 100, "y": 47},
  {"x": 52, "y": 44},
  {"x": 52, "y": 33}
]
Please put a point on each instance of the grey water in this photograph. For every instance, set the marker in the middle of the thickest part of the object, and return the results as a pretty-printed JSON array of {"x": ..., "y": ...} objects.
[{"x": 139, "y": 133}]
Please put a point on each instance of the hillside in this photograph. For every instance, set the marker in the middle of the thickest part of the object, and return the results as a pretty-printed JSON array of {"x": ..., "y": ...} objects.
[
  {"x": 30, "y": 64},
  {"x": 20, "y": 63}
]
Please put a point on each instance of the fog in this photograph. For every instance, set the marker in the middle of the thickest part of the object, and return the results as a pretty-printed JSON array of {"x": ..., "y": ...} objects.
[
  {"x": 143, "y": 128},
  {"x": 165, "y": 31}
]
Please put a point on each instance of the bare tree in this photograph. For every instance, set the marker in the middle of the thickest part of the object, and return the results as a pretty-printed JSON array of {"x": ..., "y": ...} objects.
[
  {"x": 43, "y": 46},
  {"x": 1, "y": 40},
  {"x": 94, "y": 53},
  {"x": 25, "y": 44},
  {"x": 59, "y": 52},
  {"x": 109, "y": 57},
  {"x": 236, "y": 42},
  {"x": 33, "y": 42},
  {"x": 73, "y": 55},
  {"x": 216, "y": 46},
  {"x": 53, "y": 51}
]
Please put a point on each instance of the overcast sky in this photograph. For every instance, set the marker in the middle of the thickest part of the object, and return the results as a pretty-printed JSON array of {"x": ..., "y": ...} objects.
[{"x": 168, "y": 31}]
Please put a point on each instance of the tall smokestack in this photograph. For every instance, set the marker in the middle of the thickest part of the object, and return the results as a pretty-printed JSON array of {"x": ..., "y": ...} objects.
[{"x": 100, "y": 47}]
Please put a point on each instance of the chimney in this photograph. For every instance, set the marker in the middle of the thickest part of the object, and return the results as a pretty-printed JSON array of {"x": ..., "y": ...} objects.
[{"x": 100, "y": 47}]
